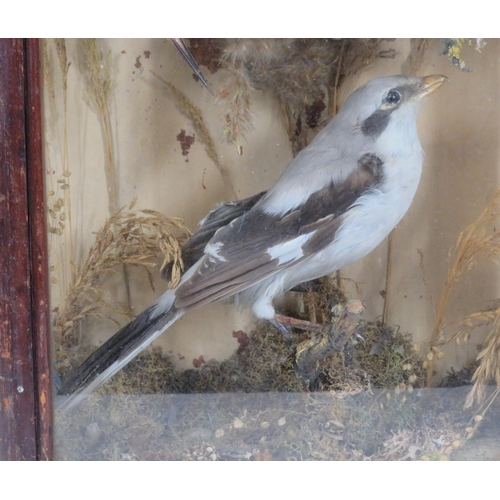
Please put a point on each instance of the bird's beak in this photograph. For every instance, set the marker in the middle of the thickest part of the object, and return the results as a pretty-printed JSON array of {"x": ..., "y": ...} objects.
[{"x": 430, "y": 84}]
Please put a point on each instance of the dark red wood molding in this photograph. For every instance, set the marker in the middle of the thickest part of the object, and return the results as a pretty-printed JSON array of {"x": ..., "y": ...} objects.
[
  {"x": 38, "y": 245},
  {"x": 25, "y": 396}
]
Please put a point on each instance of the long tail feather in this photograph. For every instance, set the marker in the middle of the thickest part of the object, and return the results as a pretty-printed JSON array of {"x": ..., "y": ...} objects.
[{"x": 114, "y": 354}]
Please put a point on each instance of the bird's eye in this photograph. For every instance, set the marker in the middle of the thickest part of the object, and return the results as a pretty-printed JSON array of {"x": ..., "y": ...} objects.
[{"x": 393, "y": 97}]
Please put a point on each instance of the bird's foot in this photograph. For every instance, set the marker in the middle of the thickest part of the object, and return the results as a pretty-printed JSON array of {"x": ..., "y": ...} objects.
[
  {"x": 285, "y": 323},
  {"x": 326, "y": 339}
]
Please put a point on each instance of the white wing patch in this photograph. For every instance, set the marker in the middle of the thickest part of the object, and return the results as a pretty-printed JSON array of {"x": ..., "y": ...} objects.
[
  {"x": 289, "y": 250},
  {"x": 213, "y": 249}
]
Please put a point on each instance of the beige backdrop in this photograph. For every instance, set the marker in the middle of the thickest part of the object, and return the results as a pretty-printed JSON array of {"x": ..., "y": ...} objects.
[{"x": 458, "y": 128}]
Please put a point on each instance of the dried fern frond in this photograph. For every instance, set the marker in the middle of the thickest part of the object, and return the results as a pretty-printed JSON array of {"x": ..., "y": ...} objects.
[{"x": 134, "y": 237}]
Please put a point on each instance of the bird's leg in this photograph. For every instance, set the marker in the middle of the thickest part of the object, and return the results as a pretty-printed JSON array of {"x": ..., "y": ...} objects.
[
  {"x": 285, "y": 323},
  {"x": 281, "y": 327},
  {"x": 302, "y": 324}
]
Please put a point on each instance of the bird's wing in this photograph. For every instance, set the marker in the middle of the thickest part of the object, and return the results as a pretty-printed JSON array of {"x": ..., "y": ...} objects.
[
  {"x": 257, "y": 244},
  {"x": 221, "y": 216}
]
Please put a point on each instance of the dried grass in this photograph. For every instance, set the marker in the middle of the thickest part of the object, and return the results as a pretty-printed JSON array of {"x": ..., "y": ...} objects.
[
  {"x": 132, "y": 237},
  {"x": 418, "y": 47},
  {"x": 304, "y": 75},
  {"x": 188, "y": 109},
  {"x": 61, "y": 244},
  {"x": 478, "y": 242},
  {"x": 98, "y": 65}
]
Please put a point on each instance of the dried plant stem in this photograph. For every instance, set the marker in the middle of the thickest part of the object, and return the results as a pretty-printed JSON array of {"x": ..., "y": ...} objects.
[
  {"x": 418, "y": 46},
  {"x": 388, "y": 275},
  {"x": 99, "y": 85},
  {"x": 334, "y": 101},
  {"x": 68, "y": 235},
  {"x": 473, "y": 244},
  {"x": 489, "y": 366},
  {"x": 414, "y": 61},
  {"x": 237, "y": 92},
  {"x": 451, "y": 278},
  {"x": 188, "y": 109},
  {"x": 61, "y": 241}
]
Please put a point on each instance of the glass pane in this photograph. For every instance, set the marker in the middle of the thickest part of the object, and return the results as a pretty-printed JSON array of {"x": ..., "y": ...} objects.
[{"x": 138, "y": 151}]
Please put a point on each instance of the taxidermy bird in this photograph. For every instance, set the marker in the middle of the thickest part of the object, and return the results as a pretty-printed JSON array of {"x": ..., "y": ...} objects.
[{"x": 334, "y": 203}]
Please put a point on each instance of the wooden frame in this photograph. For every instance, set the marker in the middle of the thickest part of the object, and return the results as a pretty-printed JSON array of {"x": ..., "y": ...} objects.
[{"x": 25, "y": 382}]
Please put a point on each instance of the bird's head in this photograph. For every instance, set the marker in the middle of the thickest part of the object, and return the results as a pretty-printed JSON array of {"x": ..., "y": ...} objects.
[{"x": 371, "y": 108}]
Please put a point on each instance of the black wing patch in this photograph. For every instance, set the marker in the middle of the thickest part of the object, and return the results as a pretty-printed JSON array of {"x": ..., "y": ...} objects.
[
  {"x": 237, "y": 256},
  {"x": 193, "y": 249}
]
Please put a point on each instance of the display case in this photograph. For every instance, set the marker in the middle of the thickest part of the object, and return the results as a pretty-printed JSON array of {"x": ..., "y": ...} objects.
[{"x": 137, "y": 151}]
